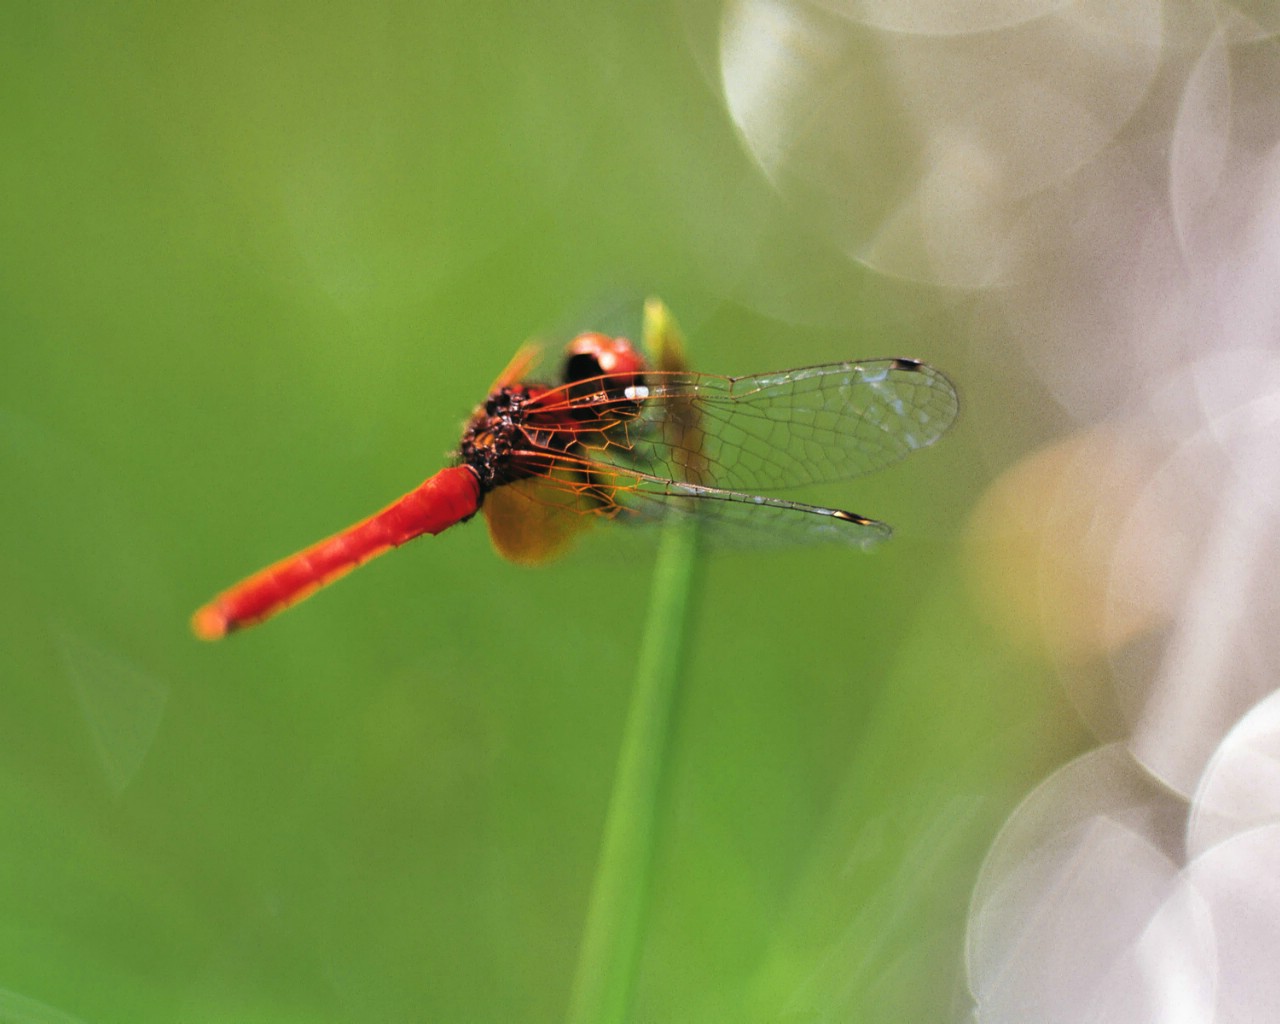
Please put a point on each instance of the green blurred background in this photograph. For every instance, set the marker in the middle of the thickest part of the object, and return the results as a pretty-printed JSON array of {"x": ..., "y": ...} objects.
[{"x": 258, "y": 264}]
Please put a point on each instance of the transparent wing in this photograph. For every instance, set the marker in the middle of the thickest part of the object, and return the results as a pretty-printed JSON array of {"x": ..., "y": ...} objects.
[
  {"x": 766, "y": 432},
  {"x": 578, "y": 485},
  {"x": 740, "y": 519}
]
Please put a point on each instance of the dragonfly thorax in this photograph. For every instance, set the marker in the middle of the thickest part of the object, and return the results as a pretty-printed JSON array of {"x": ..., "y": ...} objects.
[{"x": 494, "y": 433}]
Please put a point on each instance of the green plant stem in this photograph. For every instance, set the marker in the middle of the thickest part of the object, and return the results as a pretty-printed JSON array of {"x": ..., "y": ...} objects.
[{"x": 620, "y": 894}]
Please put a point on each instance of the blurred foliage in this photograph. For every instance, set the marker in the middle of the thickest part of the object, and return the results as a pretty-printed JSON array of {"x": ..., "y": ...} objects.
[{"x": 258, "y": 263}]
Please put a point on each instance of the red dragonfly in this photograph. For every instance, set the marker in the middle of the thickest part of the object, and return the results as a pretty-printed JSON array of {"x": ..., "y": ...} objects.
[{"x": 619, "y": 440}]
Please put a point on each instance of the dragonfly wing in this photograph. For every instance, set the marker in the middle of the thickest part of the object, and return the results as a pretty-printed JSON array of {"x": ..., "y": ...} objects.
[
  {"x": 532, "y": 521},
  {"x": 778, "y": 430},
  {"x": 738, "y": 519},
  {"x": 577, "y": 489},
  {"x": 690, "y": 444}
]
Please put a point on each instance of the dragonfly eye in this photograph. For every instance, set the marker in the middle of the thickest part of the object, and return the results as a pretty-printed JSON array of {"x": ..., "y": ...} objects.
[
  {"x": 595, "y": 355},
  {"x": 581, "y": 366},
  {"x": 603, "y": 373}
]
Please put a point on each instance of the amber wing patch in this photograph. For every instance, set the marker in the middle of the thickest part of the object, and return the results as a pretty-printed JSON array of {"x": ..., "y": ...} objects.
[{"x": 532, "y": 521}]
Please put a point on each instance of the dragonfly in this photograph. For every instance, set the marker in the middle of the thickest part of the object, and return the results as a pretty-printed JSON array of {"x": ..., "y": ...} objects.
[{"x": 616, "y": 439}]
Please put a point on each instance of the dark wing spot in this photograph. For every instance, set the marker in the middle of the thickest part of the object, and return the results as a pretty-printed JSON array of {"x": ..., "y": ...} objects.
[{"x": 852, "y": 517}]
